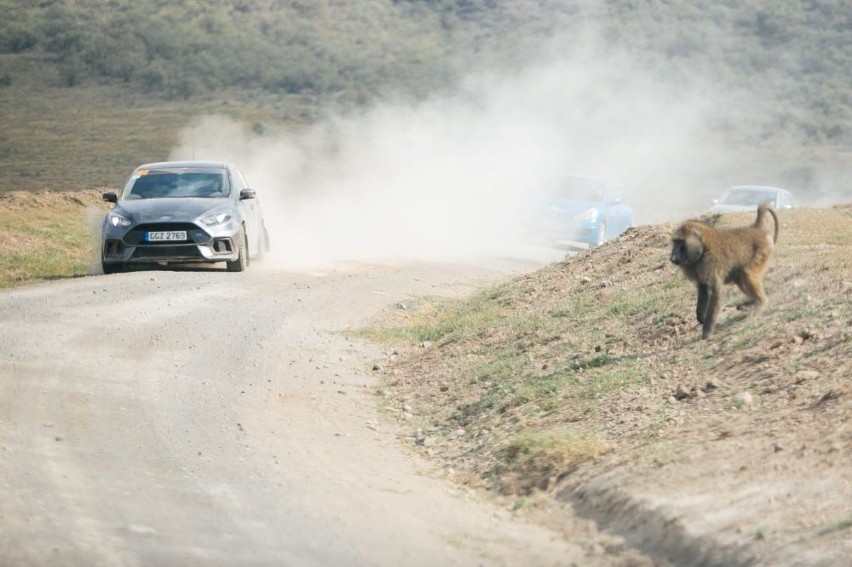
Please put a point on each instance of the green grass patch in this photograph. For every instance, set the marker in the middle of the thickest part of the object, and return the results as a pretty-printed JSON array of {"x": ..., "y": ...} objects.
[
  {"x": 798, "y": 313},
  {"x": 538, "y": 459},
  {"x": 633, "y": 302},
  {"x": 839, "y": 526},
  {"x": 607, "y": 377},
  {"x": 437, "y": 321},
  {"x": 43, "y": 244},
  {"x": 508, "y": 385},
  {"x": 454, "y": 323}
]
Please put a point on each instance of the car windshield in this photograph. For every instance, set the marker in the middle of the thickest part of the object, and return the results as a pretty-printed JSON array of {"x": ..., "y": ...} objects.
[
  {"x": 580, "y": 189},
  {"x": 749, "y": 197},
  {"x": 171, "y": 183}
]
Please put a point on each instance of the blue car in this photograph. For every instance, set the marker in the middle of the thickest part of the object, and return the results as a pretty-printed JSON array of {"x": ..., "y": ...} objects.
[{"x": 580, "y": 209}]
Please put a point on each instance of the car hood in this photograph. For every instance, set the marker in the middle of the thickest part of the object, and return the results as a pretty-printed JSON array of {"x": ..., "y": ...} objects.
[
  {"x": 720, "y": 208},
  {"x": 564, "y": 206},
  {"x": 174, "y": 209}
]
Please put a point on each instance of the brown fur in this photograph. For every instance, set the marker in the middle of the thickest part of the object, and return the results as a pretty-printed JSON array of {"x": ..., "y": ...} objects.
[{"x": 712, "y": 257}]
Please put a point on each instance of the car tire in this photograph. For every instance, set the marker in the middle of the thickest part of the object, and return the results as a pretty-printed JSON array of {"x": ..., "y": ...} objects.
[
  {"x": 239, "y": 265},
  {"x": 112, "y": 268},
  {"x": 601, "y": 238},
  {"x": 262, "y": 245},
  {"x": 267, "y": 244}
]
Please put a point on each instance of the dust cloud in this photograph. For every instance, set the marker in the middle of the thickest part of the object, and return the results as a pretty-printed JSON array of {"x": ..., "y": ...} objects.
[{"x": 444, "y": 179}]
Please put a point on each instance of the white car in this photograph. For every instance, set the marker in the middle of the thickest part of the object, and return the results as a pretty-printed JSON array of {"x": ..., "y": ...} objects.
[{"x": 748, "y": 197}]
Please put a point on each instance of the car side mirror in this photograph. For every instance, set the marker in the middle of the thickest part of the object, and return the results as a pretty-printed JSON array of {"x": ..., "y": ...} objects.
[
  {"x": 248, "y": 194},
  {"x": 110, "y": 197}
]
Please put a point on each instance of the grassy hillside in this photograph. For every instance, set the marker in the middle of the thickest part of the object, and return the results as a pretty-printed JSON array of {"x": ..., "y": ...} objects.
[
  {"x": 587, "y": 382},
  {"x": 94, "y": 135},
  {"x": 89, "y": 89},
  {"x": 48, "y": 236}
]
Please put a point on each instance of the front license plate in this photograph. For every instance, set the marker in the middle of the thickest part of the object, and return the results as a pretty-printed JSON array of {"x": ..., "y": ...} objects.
[{"x": 165, "y": 235}]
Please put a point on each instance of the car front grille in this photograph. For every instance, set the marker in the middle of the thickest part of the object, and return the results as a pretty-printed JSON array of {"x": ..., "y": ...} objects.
[
  {"x": 136, "y": 236},
  {"x": 167, "y": 251}
]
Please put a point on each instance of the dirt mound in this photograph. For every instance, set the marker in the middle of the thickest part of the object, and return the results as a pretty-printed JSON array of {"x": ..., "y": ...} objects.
[
  {"x": 17, "y": 200},
  {"x": 586, "y": 383}
]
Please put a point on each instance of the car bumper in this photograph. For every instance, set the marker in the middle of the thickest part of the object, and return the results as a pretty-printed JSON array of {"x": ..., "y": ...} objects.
[
  {"x": 114, "y": 253},
  {"x": 585, "y": 233},
  {"x": 205, "y": 246}
]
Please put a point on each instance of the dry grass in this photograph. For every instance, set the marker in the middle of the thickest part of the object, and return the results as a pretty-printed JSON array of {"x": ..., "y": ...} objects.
[
  {"x": 582, "y": 357},
  {"x": 69, "y": 139},
  {"x": 46, "y": 236}
]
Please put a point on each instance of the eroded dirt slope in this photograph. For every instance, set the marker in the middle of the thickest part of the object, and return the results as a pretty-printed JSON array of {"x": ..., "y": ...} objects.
[{"x": 736, "y": 450}]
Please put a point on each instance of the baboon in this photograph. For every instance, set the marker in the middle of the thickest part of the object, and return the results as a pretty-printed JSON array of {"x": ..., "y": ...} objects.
[{"x": 712, "y": 257}]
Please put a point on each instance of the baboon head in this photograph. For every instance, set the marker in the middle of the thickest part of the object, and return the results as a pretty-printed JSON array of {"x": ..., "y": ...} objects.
[{"x": 687, "y": 246}]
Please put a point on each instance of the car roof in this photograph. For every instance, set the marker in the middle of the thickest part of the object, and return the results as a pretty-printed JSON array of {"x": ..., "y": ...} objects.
[
  {"x": 757, "y": 188},
  {"x": 186, "y": 165},
  {"x": 606, "y": 182},
  {"x": 583, "y": 176}
]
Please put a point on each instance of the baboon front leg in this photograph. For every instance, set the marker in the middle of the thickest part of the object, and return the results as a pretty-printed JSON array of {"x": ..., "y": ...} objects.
[
  {"x": 701, "y": 308},
  {"x": 714, "y": 305}
]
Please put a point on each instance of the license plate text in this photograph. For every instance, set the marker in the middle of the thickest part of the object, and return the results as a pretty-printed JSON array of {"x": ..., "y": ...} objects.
[{"x": 165, "y": 235}]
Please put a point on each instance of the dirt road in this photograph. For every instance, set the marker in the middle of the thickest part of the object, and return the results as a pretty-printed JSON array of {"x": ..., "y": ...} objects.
[{"x": 209, "y": 418}]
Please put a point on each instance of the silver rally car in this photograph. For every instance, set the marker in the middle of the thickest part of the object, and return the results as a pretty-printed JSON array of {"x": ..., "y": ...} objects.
[{"x": 183, "y": 212}]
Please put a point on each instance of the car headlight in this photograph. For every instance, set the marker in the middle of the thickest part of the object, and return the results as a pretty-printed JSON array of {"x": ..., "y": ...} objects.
[
  {"x": 218, "y": 218},
  {"x": 590, "y": 215},
  {"x": 115, "y": 219}
]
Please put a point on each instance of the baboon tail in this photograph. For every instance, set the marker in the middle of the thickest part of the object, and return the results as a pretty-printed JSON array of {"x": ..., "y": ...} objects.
[
  {"x": 761, "y": 213},
  {"x": 777, "y": 226}
]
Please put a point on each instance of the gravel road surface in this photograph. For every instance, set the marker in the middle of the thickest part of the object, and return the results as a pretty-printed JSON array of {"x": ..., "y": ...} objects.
[{"x": 209, "y": 418}]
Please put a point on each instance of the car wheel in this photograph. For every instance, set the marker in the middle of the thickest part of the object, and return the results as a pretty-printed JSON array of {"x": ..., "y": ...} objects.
[
  {"x": 601, "y": 234},
  {"x": 241, "y": 262},
  {"x": 262, "y": 244},
  {"x": 112, "y": 268},
  {"x": 267, "y": 245}
]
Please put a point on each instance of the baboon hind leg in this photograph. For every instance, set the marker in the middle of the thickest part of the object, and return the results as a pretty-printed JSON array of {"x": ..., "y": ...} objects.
[{"x": 751, "y": 284}]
